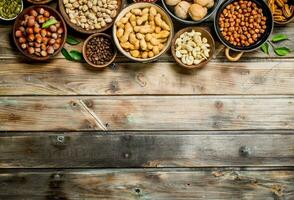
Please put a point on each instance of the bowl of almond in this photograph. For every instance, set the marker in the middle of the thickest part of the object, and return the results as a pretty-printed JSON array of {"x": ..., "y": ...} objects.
[{"x": 283, "y": 11}]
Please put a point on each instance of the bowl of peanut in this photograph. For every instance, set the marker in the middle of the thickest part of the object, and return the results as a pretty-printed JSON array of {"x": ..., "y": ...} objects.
[
  {"x": 143, "y": 32},
  {"x": 243, "y": 25}
]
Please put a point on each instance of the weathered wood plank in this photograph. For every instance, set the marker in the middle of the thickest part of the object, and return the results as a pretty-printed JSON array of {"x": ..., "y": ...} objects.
[
  {"x": 77, "y": 150},
  {"x": 148, "y": 184},
  {"x": 59, "y": 78},
  {"x": 8, "y": 49},
  {"x": 146, "y": 113}
]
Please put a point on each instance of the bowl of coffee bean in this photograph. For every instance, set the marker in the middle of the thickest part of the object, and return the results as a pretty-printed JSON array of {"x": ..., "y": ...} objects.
[
  {"x": 243, "y": 25},
  {"x": 99, "y": 50}
]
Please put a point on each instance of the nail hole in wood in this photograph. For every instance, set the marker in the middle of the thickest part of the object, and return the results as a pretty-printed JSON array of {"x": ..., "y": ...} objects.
[
  {"x": 245, "y": 151},
  {"x": 137, "y": 190},
  {"x": 60, "y": 139},
  {"x": 74, "y": 104},
  {"x": 126, "y": 155}
]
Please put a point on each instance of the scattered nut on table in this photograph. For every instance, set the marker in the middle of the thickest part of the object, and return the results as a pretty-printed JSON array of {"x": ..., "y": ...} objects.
[
  {"x": 143, "y": 32},
  {"x": 192, "y": 48},
  {"x": 91, "y": 14}
]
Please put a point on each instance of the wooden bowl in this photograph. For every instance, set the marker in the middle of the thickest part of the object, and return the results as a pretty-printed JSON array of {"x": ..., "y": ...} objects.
[
  {"x": 80, "y": 29},
  {"x": 39, "y": 2},
  {"x": 165, "y": 17},
  {"x": 53, "y": 12},
  {"x": 84, "y": 50},
  {"x": 204, "y": 33},
  {"x": 291, "y": 2}
]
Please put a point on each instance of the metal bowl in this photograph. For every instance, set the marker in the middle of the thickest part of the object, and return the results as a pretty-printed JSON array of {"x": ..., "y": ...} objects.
[
  {"x": 170, "y": 10},
  {"x": 269, "y": 26},
  {"x": 15, "y": 16}
]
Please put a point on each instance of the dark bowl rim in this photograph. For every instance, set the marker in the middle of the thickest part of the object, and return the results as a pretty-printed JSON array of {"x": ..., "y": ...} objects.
[
  {"x": 39, "y": 3},
  {"x": 84, "y": 50},
  {"x": 32, "y": 57},
  {"x": 191, "y": 22},
  {"x": 255, "y": 45}
]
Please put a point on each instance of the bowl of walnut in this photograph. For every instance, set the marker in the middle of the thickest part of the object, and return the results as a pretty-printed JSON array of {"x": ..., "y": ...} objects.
[{"x": 143, "y": 32}]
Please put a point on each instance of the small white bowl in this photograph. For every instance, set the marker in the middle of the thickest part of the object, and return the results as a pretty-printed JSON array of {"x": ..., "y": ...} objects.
[{"x": 15, "y": 16}]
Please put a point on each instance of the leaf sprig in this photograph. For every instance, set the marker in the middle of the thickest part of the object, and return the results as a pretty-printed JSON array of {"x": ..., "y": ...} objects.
[
  {"x": 280, "y": 51},
  {"x": 72, "y": 55}
]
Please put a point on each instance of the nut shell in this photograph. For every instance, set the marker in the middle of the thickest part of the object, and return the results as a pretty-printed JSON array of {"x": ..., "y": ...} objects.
[
  {"x": 197, "y": 12},
  {"x": 181, "y": 9}
]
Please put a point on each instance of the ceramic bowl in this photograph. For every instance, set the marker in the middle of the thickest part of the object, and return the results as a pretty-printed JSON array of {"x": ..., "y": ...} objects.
[{"x": 7, "y": 20}]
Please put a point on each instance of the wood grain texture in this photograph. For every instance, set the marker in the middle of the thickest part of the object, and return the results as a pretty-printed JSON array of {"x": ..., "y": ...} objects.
[
  {"x": 60, "y": 78},
  {"x": 146, "y": 113},
  {"x": 148, "y": 185},
  {"x": 76, "y": 150},
  {"x": 8, "y": 49}
]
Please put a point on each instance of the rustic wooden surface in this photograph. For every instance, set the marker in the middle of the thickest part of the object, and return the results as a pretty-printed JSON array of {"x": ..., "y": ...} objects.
[{"x": 147, "y": 131}]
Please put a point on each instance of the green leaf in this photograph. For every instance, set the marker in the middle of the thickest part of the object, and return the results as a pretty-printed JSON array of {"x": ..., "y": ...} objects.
[
  {"x": 72, "y": 40},
  {"x": 66, "y": 54},
  {"x": 49, "y": 22},
  {"x": 265, "y": 48},
  {"x": 76, "y": 55},
  {"x": 282, "y": 51},
  {"x": 279, "y": 37}
]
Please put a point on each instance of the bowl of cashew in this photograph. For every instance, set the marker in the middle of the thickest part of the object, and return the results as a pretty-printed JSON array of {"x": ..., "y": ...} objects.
[
  {"x": 143, "y": 31},
  {"x": 193, "y": 47}
]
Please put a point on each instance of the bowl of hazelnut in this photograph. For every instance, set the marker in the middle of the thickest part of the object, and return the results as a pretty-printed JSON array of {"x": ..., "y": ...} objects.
[
  {"x": 193, "y": 47},
  {"x": 39, "y": 32},
  {"x": 143, "y": 32},
  {"x": 190, "y": 11},
  {"x": 243, "y": 25}
]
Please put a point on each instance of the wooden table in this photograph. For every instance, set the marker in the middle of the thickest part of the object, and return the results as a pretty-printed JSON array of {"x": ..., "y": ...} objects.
[{"x": 147, "y": 131}]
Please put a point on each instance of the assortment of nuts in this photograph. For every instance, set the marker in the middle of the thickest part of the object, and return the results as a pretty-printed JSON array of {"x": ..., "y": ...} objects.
[
  {"x": 282, "y": 9},
  {"x": 197, "y": 9},
  {"x": 192, "y": 48},
  {"x": 91, "y": 14},
  {"x": 143, "y": 32},
  {"x": 242, "y": 23},
  {"x": 99, "y": 50},
  {"x": 36, "y": 39}
]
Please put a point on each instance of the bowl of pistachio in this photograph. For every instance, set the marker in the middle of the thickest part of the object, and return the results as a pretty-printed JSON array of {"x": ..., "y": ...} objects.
[{"x": 10, "y": 9}]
